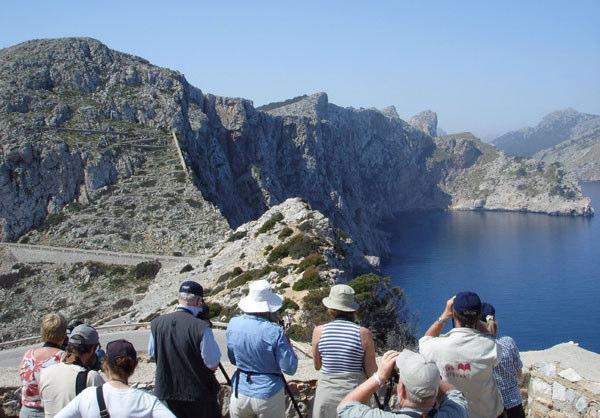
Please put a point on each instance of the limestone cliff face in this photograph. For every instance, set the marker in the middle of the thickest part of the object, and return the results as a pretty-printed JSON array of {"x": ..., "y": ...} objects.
[
  {"x": 478, "y": 176},
  {"x": 567, "y": 137},
  {"x": 580, "y": 153},
  {"x": 358, "y": 167}
]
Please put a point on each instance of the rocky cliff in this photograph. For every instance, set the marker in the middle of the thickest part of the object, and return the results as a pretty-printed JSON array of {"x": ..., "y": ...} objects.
[
  {"x": 579, "y": 153},
  {"x": 80, "y": 123},
  {"x": 554, "y": 128},
  {"x": 568, "y": 137},
  {"x": 478, "y": 176}
]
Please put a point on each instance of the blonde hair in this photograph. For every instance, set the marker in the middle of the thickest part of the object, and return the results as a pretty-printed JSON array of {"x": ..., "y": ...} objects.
[
  {"x": 492, "y": 326},
  {"x": 54, "y": 328}
]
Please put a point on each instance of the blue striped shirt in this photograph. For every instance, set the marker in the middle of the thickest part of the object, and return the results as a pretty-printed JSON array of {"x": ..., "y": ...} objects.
[
  {"x": 340, "y": 347},
  {"x": 505, "y": 373}
]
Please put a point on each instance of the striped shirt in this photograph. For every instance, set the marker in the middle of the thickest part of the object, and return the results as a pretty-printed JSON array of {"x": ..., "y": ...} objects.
[
  {"x": 340, "y": 347},
  {"x": 505, "y": 373}
]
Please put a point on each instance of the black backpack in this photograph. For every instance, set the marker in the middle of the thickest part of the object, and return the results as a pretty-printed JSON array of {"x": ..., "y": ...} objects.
[{"x": 81, "y": 381}]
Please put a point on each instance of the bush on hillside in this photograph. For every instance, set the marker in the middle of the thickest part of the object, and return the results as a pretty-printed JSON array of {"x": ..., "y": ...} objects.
[
  {"x": 310, "y": 280},
  {"x": 383, "y": 311},
  {"x": 297, "y": 247},
  {"x": 311, "y": 260},
  {"x": 268, "y": 225}
]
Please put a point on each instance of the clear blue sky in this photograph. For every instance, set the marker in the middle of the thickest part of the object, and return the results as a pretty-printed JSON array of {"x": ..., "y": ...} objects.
[{"x": 483, "y": 66}]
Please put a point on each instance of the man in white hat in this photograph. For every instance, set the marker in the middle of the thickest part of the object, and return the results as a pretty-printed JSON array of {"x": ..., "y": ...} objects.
[
  {"x": 259, "y": 348},
  {"x": 421, "y": 392}
]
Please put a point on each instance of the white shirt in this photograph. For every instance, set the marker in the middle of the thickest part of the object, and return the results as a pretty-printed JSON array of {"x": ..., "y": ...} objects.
[
  {"x": 466, "y": 359},
  {"x": 57, "y": 385},
  {"x": 121, "y": 403}
]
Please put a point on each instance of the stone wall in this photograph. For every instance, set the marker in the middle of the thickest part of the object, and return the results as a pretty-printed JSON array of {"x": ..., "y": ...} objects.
[{"x": 563, "y": 381}]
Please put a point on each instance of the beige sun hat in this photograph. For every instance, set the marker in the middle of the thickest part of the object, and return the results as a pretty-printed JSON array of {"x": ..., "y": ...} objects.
[
  {"x": 341, "y": 298},
  {"x": 420, "y": 376},
  {"x": 261, "y": 298}
]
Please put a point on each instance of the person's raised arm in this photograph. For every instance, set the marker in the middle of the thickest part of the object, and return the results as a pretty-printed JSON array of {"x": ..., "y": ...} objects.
[
  {"x": 436, "y": 328},
  {"x": 368, "y": 345},
  {"x": 365, "y": 390},
  {"x": 316, "y": 354}
]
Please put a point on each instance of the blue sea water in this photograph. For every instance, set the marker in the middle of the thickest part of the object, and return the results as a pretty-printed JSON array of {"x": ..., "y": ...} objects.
[{"x": 542, "y": 273}]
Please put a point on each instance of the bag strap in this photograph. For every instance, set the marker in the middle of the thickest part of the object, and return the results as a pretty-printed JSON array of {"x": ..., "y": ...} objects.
[
  {"x": 81, "y": 381},
  {"x": 101, "y": 404}
]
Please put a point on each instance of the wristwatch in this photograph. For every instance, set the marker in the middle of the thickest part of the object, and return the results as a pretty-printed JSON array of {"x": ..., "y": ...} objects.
[{"x": 442, "y": 320}]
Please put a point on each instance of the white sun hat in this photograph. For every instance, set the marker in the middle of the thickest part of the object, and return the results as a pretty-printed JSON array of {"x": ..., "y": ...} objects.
[
  {"x": 261, "y": 298},
  {"x": 341, "y": 298}
]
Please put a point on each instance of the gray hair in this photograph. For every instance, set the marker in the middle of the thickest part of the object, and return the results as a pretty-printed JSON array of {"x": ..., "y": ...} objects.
[
  {"x": 188, "y": 299},
  {"x": 418, "y": 399}
]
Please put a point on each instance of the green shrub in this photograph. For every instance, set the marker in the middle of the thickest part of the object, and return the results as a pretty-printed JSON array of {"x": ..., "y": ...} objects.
[
  {"x": 194, "y": 203},
  {"x": 147, "y": 183},
  {"x": 122, "y": 304},
  {"x": 214, "y": 309},
  {"x": 52, "y": 220},
  {"x": 299, "y": 333},
  {"x": 230, "y": 274},
  {"x": 383, "y": 311},
  {"x": 297, "y": 247},
  {"x": 310, "y": 280},
  {"x": 284, "y": 285},
  {"x": 314, "y": 259},
  {"x": 186, "y": 268},
  {"x": 237, "y": 235},
  {"x": 288, "y": 304},
  {"x": 268, "y": 225},
  {"x": 146, "y": 270},
  {"x": 285, "y": 232},
  {"x": 207, "y": 263},
  {"x": 255, "y": 274}
]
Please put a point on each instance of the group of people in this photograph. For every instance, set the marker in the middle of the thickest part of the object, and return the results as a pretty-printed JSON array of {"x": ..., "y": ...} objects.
[{"x": 467, "y": 372}]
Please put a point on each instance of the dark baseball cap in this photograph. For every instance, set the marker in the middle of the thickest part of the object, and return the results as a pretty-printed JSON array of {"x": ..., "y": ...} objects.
[
  {"x": 191, "y": 287},
  {"x": 486, "y": 310},
  {"x": 467, "y": 303},
  {"x": 120, "y": 348},
  {"x": 84, "y": 334}
]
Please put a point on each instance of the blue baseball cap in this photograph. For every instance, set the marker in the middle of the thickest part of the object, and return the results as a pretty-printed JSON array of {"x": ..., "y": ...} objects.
[
  {"x": 486, "y": 310},
  {"x": 191, "y": 287},
  {"x": 467, "y": 303}
]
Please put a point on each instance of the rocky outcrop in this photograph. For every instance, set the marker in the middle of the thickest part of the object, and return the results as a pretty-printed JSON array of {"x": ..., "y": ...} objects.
[
  {"x": 425, "y": 121},
  {"x": 110, "y": 115},
  {"x": 287, "y": 244},
  {"x": 479, "y": 177}
]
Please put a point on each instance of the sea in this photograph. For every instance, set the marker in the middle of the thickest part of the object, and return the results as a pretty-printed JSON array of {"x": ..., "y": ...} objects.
[{"x": 541, "y": 273}]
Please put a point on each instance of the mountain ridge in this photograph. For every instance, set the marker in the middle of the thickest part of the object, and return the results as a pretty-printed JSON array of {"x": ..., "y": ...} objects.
[{"x": 358, "y": 167}]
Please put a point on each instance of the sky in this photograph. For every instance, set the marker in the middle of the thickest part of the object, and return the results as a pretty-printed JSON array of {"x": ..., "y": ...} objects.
[{"x": 485, "y": 67}]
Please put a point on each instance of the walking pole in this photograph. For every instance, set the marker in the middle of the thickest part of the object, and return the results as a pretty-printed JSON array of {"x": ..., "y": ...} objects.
[
  {"x": 227, "y": 379},
  {"x": 289, "y": 392}
]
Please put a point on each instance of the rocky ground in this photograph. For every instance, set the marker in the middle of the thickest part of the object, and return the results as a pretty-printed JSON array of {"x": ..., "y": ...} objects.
[
  {"x": 90, "y": 291},
  {"x": 156, "y": 210},
  {"x": 297, "y": 249}
]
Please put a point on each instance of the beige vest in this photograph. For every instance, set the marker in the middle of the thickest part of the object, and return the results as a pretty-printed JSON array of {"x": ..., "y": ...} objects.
[{"x": 466, "y": 359}]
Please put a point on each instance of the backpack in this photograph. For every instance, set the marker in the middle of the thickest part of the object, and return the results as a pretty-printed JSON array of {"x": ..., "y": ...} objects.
[{"x": 81, "y": 381}]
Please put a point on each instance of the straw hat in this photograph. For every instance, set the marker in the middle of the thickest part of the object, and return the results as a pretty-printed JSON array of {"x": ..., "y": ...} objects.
[
  {"x": 341, "y": 298},
  {"x": 261, "y": 298}
]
